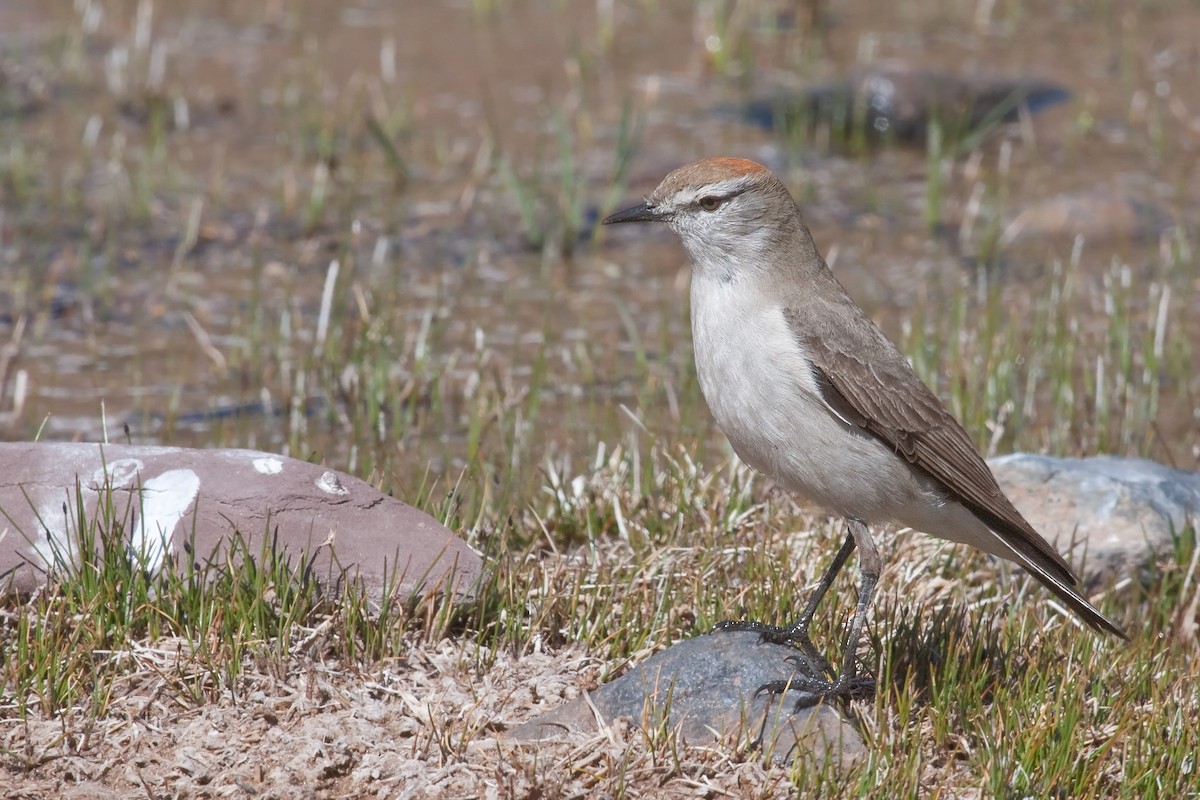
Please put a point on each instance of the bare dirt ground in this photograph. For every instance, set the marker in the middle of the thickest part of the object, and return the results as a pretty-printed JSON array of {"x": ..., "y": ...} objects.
[{"x": 426, "y": 727}]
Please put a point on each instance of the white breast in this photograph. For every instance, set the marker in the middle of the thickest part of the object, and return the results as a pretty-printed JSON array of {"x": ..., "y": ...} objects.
[{"x": 760, "y": 388}]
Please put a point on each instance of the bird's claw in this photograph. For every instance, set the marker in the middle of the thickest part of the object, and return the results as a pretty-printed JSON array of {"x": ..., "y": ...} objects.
[
  {"x": 814, "y": 681},
  {"x": 812, "y": 691},
  {"x": 794, "y": 636}
]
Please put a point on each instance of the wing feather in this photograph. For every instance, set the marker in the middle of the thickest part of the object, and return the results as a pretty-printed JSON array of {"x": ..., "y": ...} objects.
[{"x": 882, "y": 395}]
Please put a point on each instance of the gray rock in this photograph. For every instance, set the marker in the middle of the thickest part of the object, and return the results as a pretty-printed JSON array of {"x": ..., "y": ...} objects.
[
  {"x": 1112, "y": 517},
  {"x": 893, "y": 100},
  {"x": 173, "y": 498},
  {"x": 706, "y": 689}
]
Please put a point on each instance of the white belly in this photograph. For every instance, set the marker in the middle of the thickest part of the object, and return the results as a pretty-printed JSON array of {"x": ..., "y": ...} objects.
[
  {"x": 760, "y": 388},
  {"x": 762, "y": 393}
]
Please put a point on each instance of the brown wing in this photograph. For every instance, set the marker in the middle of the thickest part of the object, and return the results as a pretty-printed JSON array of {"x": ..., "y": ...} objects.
[{"x": 888, "y": 400}]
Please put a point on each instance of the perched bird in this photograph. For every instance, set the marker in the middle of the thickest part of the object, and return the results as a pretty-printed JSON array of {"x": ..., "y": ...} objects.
[{"x": 811, "y": 393}]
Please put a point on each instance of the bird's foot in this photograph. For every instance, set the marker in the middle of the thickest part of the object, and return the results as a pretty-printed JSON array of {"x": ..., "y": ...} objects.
[
  {"x": 812, "y": 690},
  {"x": 794, "y": 635},
  {"x": 814, "y": 681}
]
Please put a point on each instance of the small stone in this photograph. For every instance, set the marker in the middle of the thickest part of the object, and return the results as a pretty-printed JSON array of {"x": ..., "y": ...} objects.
[{"x": 329, "y": 483}]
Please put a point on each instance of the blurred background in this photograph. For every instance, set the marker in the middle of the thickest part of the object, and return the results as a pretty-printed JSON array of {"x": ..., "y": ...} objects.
[{"x": 365, "y": 233}]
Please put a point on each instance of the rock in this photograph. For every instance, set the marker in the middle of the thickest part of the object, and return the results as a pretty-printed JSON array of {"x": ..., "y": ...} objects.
[
  {"x": 1099, "y": 215},
  {"x": 175, "y": 501},
  {"x": 1111, "y": 517},
  {"x": 895, "y": 101},
  {"x": 706, "y": 687}
]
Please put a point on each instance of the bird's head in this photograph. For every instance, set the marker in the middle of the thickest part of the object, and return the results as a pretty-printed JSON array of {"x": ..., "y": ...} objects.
[{"x": 731, "y": 214}]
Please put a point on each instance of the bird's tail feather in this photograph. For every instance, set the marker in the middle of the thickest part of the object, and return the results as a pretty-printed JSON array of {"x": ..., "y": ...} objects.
[{"x": 1065, "y": 591}]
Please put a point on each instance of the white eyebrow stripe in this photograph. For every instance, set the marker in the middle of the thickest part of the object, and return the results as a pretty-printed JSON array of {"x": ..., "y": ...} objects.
[{"x": 725, "y": 188}]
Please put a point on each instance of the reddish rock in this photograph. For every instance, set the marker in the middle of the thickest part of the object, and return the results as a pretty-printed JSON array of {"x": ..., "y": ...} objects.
[
  {"x": 1097, "y": 216},
  {"x": 171, "y": 498}
]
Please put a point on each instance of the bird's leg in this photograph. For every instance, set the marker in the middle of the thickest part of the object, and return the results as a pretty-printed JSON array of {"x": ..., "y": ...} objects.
[
  {"x": 797, "y": 633},
  {"x": 846, "y": 683},
  {"x": 799, "y": 629}
]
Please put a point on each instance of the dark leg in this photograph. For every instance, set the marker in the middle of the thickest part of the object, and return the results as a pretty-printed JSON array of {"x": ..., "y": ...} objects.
[
  {"x": 870, "y": 563},
  {"x": 797, "y": 633},
  {"x": 845, "y": 683},
  {"x": 800, "y": 627}
]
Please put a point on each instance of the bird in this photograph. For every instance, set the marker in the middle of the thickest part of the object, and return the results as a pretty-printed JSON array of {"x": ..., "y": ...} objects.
[{"x": 810, "y": 392}]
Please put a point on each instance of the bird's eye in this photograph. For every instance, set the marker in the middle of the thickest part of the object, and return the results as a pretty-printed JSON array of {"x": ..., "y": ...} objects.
[{"x": 710, "y": 202}]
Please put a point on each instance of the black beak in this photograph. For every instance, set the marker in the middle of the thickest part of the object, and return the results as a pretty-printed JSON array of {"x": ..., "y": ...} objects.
[{"x": 639, "y": 213}]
